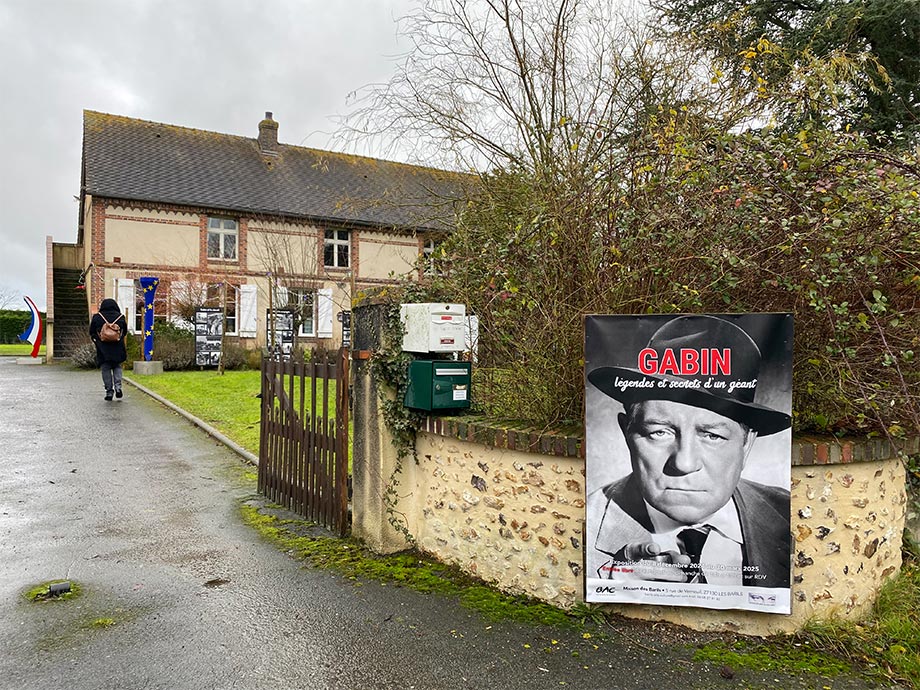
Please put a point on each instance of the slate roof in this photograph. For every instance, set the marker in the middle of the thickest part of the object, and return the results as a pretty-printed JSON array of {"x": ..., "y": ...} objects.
[{"x": 131, "y": 159}]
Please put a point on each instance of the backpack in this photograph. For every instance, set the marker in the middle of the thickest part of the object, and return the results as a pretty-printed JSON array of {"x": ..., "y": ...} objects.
[{"x": 110, "y": 332}]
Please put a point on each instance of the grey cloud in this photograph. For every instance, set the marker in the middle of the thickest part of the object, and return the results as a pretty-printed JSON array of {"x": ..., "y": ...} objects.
[{"x": 197, "y": 63}]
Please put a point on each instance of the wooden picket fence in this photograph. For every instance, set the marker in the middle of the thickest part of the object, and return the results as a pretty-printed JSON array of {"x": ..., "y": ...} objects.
[{"x": 303, "y": 447}]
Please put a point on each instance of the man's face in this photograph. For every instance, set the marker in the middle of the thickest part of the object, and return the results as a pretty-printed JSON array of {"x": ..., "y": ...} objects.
[{"x": 688, "y": 459}]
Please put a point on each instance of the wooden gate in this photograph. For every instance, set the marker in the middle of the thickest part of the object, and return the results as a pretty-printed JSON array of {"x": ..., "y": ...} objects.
[{"x": 303, "y": 447}]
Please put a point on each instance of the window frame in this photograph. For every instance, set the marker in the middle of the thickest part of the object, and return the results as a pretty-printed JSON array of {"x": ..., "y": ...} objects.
[
  {"x": 431, "y": 246},
  {"x": 214, "y": 300},
  {"x": 332, "y": 238},
  {"x": 298, "y": 295},
  {"x": 222, "y": 232}
]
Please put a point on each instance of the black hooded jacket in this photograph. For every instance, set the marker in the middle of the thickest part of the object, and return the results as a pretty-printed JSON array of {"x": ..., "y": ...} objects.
[{"x": 114, "y": 353}]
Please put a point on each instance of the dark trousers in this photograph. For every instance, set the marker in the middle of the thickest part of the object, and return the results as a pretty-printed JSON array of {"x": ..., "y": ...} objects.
[{"x": 111, "y": 376}]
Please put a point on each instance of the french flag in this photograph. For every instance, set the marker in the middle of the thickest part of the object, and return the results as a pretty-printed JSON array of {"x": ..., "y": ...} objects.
[{"x": 33, "y": 334}]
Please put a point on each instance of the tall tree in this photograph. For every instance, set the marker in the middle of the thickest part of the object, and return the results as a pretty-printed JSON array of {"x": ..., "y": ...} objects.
[
  {"x": 551, "y": 100},
  {"x": 540, "y": 86},
  {"x": 867, "y": 53}
]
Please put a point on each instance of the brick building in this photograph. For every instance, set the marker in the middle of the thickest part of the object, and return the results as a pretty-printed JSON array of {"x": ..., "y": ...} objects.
[{"x": 249, "y": 223}]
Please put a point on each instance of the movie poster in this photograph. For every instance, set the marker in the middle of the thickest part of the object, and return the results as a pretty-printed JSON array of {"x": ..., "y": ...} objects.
[
  {"x": 209, "y": 330},
  {"x": 688, "y": 457},
  {"x": 282, "y": 326}
]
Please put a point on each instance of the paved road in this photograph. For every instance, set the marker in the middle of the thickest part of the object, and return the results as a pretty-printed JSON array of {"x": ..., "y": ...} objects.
[{"x": 142, "y": 510}]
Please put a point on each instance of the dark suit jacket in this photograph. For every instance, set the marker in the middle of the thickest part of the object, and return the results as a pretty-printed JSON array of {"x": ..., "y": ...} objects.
[{"x": 763, "y": 512}]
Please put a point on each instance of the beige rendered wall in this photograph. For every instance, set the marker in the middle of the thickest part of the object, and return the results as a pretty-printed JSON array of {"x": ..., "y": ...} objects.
[
  {"x": 163, "y": 238},
  {"x": 382, "y": 255},
  {"x": 341, "y": 301},
  {"x": 291, "y": 245},
  {"x": 88, "y": 242},
  {"x": 516, "y": 519},
  {"x": 67, "y": 256}
]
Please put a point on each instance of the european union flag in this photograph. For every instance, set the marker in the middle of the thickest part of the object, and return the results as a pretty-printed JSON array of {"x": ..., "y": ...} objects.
[{"x": 150, "y": 288}]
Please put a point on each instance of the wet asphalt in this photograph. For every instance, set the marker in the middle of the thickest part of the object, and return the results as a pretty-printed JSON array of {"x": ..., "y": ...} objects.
[{"x": 142, "y": 510}]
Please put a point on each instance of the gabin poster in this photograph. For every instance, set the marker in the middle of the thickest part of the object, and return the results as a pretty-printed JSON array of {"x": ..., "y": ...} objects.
[{"x": 688, "y": 450}]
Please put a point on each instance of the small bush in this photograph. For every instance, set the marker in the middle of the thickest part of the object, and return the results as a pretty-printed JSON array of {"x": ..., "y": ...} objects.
[
  {"x": 174, "y": 345},
  {"x": 234, "y": 356},
  {"x": 84, "y": 357},
  {"x": 176, "y": 355},
  {"x": 254, "y": 359}
]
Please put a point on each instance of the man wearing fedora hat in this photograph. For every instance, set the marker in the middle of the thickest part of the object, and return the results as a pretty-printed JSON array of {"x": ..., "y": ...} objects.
[{"x": 690, "y": 420}]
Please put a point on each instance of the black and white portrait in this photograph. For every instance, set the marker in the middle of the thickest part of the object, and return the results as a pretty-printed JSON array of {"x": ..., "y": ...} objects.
[
  {"x": 688, "y": 445},
  {"x": 215, "y": 323}
]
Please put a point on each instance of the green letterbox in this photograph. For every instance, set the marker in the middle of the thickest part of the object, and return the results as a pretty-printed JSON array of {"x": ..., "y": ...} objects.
[{"x": 438, "y": 385}]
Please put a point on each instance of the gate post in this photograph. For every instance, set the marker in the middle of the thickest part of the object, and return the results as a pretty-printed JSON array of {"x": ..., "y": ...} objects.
[{"x": 373, "y": 452}]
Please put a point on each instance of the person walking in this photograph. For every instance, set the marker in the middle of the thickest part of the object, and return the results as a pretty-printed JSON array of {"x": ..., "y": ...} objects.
[{"x": 110, "y": 346}]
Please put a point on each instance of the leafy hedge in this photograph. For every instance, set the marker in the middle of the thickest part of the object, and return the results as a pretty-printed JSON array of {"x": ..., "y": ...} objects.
[
  {"x": 13, "y": 323},
  {"x": 683, "y": 220}
]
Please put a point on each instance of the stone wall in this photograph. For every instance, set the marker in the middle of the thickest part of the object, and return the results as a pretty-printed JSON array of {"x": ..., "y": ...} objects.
[
  {"x": 514, "y": 517},
  {"x": 510, "y": 517}
]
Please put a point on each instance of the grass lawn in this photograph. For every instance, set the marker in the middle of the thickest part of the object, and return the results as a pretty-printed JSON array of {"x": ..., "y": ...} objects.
[
  {"x": 228, "y": 402},
  {"x": 19, "y": 350}
]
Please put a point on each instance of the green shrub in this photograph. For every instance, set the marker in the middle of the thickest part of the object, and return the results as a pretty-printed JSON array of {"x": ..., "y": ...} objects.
[
  {"x": 176, "y": 355},
  {"x": 254, "y": 359},
  {"x": 175, "y": 347},
  {"x": 172, "y": 345},
  {"x": 817, "y": 223},
  {"x": 13, "y": 323}
]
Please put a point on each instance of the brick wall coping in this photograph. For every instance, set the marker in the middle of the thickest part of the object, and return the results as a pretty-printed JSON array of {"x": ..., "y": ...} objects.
[{"x": 806, "y": 449}]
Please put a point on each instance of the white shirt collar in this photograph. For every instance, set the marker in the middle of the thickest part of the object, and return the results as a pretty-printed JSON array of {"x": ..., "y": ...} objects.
[{"x": 724, "y": 520}]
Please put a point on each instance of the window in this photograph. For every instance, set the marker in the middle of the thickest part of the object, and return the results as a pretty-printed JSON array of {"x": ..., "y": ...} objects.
[
  {"x": 311, "y": 308},
  {"x": 301, "y": 303},
  {"x": 215, "y": 297},
  {"x": 305, "y": 306},
  {"x": 336, "y": 249},
  {"x": 222, "y": 239}
]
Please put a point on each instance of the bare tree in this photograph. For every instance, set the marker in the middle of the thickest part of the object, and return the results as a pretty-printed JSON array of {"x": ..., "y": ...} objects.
[
  {"x": 8, "y": 297},
  {"x": 563, "y": 106},
  {"x": 293, "y": 278},
  {"x": 534, "y": 85},
  {"x": 186, "y": 296}
]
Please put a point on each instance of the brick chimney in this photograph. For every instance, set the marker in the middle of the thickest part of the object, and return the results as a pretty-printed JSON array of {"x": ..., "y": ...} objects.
[{"x": 268, "y": 136}]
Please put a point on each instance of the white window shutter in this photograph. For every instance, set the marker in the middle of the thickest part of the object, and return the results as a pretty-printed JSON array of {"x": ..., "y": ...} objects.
[
  {"x": 125, "y": 297},
  {"x": 324, "y": 313},
  {"x": 248, "y": 311}
]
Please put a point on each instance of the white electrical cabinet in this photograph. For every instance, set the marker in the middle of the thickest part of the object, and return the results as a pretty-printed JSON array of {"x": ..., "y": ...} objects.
[{"x": 429, "y": 327}]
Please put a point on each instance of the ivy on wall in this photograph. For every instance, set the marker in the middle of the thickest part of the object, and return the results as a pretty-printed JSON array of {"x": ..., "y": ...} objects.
[{"x": 389, "y": 368}]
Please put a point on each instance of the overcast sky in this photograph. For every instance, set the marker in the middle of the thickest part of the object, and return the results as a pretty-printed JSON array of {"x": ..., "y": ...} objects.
[{"x": 217, "y": 65}]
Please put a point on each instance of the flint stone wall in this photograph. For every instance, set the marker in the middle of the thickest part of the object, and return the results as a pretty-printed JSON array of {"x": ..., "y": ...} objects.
[{"x": 508, "y": 507}]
